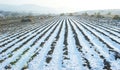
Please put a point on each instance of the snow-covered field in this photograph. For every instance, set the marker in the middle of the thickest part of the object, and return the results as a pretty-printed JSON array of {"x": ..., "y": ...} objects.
[{"x": 62, "y": 43}]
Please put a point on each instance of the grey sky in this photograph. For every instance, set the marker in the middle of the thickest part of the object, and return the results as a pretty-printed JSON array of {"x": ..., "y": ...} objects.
[{"x": 69, "y": 5}]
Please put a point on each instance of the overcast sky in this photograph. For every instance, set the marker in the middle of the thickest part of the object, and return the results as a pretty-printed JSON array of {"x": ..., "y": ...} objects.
[{"x": 69, "y": 5}]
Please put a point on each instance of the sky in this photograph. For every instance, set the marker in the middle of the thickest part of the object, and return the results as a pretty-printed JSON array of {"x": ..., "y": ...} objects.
[{"x": 69, "y": 5}]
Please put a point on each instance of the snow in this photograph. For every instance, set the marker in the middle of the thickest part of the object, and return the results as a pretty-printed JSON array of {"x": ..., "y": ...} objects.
[
  {"x": 58, "y": 53},
  {"x": 86, "y": 46},
  {"x": 75, "y": 61},
  {"x": 43, "y": 52},
  {"x": 99, "y": 46}
]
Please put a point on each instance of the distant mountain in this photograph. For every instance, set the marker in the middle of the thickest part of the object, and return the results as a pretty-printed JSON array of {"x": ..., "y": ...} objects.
[
  {"x": 9, "y": 13},
  {"x": 103, "y": 12},
  {"x": 27, "y": 9}
]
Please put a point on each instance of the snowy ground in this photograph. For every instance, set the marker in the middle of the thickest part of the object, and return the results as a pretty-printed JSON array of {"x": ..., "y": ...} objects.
[{"x": 62, "y": 43}]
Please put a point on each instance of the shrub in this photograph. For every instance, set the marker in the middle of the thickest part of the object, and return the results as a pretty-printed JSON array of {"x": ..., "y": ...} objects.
[
  {"x": 62, "y": 14},
  {"x": 109, "y": 13},
  {"x": 85, "y": 14},
  {"x": 26, "y": 20},
  {"x": 98, "y": 15},
  {"x": 116, "y": 17}
]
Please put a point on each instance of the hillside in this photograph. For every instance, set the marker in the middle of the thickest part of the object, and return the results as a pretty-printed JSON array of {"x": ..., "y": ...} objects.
[
  {"x": 103, "y": 12},
  {"x": 27, "y": 9}
]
